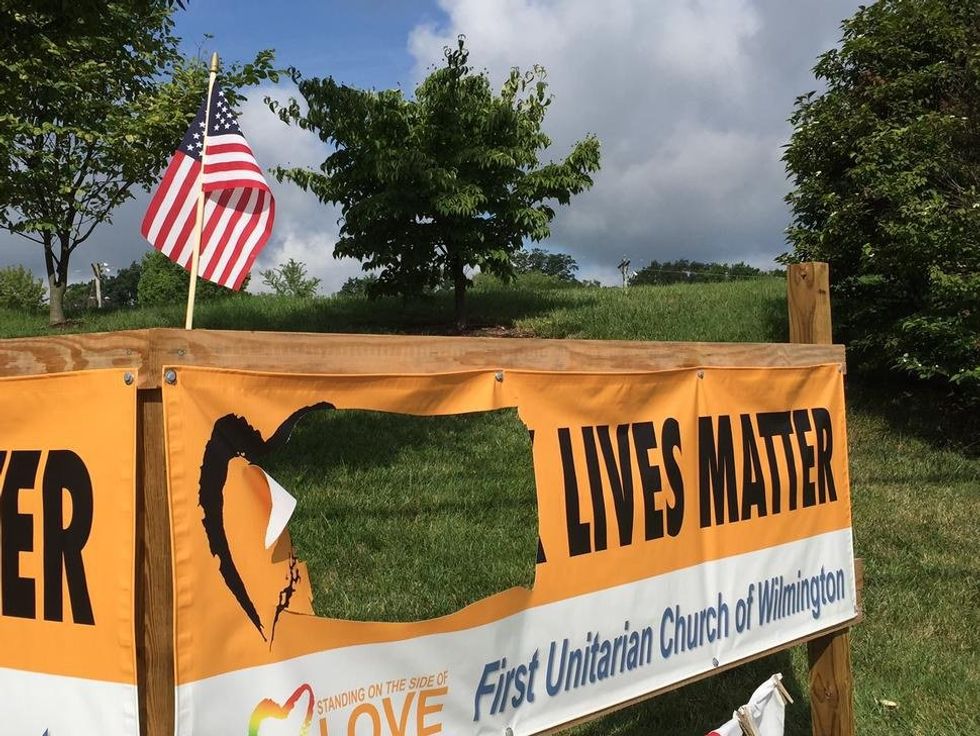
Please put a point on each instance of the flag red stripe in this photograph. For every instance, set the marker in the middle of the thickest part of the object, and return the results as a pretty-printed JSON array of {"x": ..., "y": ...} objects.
[
  {"x": 161, "y": 193},
  {"x": 217, "y": 186},
  {"x": 263, "y": 239},
  {"x": 210, "y": 168},
  {"x": 216, "y": 215},
  {"x": 185, "y": 236},
  {"x": 218, "y": 148},
  {"x": 186, "y": 190},
  {"x": 225, "y": 235},
  {"x": 240, "y": 245}
]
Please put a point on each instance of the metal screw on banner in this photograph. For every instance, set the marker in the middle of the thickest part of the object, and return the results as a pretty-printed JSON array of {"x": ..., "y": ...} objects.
[
  {"x": 128, "y": 378},
  {"x": 170, "y": 376}
]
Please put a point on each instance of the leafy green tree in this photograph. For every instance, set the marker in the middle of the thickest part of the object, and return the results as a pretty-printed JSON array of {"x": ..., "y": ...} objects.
[
  {"x": 120, "y": 289},
  {"x": 290, "y": 279},
  {"x": 360, "y": 286},
  {"x": 20, "y": 290},
  {"x": 886, "y": 167},
  {"x": 96, "y": 97},
  {"x": 683, "y": 271},
  {"x": 162, "y": 282},
  {"x": 432, "y": 186},
  {"x": 562, "y": 266}
]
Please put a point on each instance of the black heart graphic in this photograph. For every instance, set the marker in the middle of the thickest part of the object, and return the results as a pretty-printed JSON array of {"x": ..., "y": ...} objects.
[{"x": 232, "y": 436}]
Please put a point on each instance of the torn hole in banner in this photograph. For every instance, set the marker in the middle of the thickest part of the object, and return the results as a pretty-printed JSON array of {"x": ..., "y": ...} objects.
[
  {"x": 405, "y": 518},
  {"x": 387, "y": 517}
]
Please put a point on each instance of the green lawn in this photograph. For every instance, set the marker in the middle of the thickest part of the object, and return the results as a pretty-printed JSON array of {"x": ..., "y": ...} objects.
[{"x": 403, "y": 518}]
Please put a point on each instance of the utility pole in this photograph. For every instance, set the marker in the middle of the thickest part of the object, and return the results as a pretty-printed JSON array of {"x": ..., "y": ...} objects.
[{"x": 624, "y": 268}]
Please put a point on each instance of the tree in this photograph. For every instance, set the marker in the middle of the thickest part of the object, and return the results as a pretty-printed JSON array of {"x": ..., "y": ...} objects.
[
  {"x": 120, "y": 290},
  {"x": 562, "y": 266},
  {"x": 432, "y": 186},
  {"x": 358, "y": 286},
  {"x": 886, "y": 167},
  {"x": 162, "y": 282},
  {"x": 96, "y": 97},
  {"x": 290, "y": 279},
  {"x": 683, "y": 271}
]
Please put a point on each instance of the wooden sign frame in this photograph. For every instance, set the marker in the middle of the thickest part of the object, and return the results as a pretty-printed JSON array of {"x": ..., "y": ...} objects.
[{"x": 145, "y": 352}]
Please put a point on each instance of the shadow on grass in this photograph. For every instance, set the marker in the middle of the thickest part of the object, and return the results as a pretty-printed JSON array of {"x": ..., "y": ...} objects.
[
  {"x": 431, "y": 315},
  {"x": 917, "y": 408},
  {"x": 775, "y": 317},
  {"x": 354, "y": 440}
]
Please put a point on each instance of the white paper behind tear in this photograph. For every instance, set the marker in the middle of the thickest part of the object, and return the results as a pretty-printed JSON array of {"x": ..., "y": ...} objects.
[{"x": 283, "y": 505}]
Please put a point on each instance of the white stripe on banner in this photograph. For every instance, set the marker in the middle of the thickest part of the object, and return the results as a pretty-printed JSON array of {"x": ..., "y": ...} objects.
[
  {"x": 571, "y": 657},
  {"x": 35, "y": 703}
]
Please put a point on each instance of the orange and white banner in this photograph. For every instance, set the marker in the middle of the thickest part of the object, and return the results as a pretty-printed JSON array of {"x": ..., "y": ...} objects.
[
  {"x": 67, "y": 496},
  {"x": 687, "y": 519}
]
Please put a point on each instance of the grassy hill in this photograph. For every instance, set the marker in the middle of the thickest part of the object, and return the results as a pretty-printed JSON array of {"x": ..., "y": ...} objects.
[
  {"x": 363, "y": 514},
  {"x": 742, "y": 311}
]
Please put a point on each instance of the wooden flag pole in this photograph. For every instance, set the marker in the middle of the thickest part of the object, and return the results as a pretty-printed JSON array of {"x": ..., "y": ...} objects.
[{"x": 199, "y": 225}]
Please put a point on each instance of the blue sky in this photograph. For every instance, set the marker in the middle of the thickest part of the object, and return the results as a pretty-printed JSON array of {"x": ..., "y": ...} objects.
[
  {"x": 359, "y": 42},
  {"x": 689, "y": 99}
]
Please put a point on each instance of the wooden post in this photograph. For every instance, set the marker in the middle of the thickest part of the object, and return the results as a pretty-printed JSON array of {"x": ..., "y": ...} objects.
[
  {"x": 831, "y": 685},
  {"x": 831, "y": 679},
  {"x": 154, "y": 585},
  {"x": 808, "y": 297},
  {"x": 97, "y": 270}
]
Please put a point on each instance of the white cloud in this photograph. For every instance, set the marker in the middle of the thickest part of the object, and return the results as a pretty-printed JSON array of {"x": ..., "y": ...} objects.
[
  {"x": 689, "y": 99},
  {"x": 305, "y": 229}
]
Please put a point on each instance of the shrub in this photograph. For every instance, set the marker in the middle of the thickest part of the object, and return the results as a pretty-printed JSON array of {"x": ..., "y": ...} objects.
[
  {"x": 20, "y": 290},
  {"x": 290, "y": 279}
]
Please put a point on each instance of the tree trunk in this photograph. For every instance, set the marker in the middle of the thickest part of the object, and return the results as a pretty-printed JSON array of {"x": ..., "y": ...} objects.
[
  {"x": 459, "y": 289},
  {"x": 56, "y": 301},
  {"x": 57, "y": 278}
]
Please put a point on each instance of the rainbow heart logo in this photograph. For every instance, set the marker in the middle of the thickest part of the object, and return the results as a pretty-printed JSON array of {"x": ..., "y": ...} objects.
[{"x": 270, "y": 709}]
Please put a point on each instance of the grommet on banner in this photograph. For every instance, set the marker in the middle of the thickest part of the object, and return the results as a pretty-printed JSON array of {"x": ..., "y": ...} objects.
[
  {"x": 508, "y": 731},
  {"x": 714, "y": 661},
  {"x": 499, "y": 375},
  {"x": 170, "y": 376},
  {"x": 700, "y": 374},
  {"x": 128, "y": 378}
]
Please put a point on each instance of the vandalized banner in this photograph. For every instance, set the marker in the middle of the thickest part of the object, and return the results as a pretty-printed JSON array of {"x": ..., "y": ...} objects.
[
  {"x": 67, "y": 490},
  {"x": 687, "y": 519}
]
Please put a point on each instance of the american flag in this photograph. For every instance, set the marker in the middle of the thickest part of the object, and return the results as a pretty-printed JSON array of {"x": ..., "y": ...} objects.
[{"x": 238, "y": 206}]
